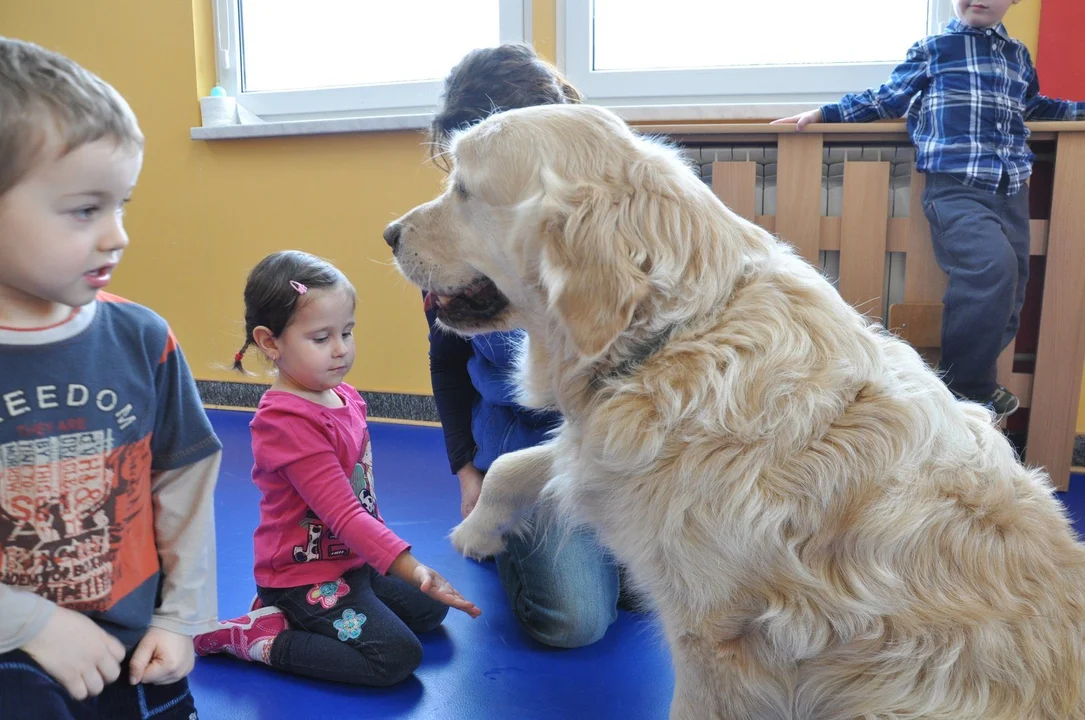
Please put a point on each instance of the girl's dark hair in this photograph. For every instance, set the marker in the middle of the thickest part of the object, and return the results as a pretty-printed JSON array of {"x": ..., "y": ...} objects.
[
  {"x": 489, "y": 80},
  {"x": 276, "y": 287}
]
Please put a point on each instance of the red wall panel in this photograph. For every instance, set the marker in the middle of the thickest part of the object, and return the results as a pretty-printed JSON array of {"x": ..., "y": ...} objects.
[{"x": 1061, "y": 52}]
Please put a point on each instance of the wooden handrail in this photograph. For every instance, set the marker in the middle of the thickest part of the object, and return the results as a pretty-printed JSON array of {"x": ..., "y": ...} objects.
[{"x": 885, "y": 127}]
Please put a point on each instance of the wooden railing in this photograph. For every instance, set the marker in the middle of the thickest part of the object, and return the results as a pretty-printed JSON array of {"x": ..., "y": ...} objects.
[{"x": 864, "y": 233}]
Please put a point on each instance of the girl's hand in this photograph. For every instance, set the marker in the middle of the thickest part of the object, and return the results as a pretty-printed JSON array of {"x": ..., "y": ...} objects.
[
  {"x": 409, "y": 570},
  {"x": 470, "y": 488},
  {"x": 800, "y": 121},
  {"x": 431, "y": 583}
]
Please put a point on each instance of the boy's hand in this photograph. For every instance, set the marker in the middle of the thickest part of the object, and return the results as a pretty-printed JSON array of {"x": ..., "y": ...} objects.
[
  {"x": 800, "y": 121},
  {"x": 407, "y": 568},
  {"x": 470, "y": 488},
  {"x": 161, "y": 658},
  {"x": 78, "y": 654}
]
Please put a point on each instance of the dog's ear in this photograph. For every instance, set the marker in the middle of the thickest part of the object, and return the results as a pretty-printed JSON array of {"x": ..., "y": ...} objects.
[{"x": 592, "y": 269}]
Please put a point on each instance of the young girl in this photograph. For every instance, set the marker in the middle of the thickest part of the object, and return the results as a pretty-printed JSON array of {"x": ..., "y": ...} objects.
[{"x": 339, "y": 595}]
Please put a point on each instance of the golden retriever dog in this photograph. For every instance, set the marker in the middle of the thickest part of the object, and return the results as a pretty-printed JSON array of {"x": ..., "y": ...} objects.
[{"x": 824, "y": 531}]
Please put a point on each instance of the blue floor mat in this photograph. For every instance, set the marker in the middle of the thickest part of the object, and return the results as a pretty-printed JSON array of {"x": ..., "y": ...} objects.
[{"x": 471, "y": 669}]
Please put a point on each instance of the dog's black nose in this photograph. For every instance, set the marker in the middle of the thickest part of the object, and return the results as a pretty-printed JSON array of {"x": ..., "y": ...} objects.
[{"x": 391, "y": 235}]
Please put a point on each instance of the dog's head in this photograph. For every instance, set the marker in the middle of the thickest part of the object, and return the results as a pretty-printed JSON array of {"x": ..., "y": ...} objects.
[{"x": 556, "y": 217}]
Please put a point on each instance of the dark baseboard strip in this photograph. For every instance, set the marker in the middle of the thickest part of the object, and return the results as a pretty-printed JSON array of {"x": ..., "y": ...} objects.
[
  {"x": 231, "y": 394},
  {"x": 1079, "y": 451},
  {"x": 394, "y": 406}
]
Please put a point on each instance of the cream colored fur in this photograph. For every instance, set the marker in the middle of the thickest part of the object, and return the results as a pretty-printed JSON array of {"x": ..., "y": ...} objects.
[{"x": 824, "y": 531}]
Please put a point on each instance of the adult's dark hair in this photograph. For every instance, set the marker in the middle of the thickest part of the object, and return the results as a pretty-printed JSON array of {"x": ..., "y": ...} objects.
[{"x": 489, "y": 80}]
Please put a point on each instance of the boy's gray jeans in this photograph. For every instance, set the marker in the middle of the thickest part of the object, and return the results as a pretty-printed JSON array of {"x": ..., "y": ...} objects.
[{"x": 981, "y": 241}]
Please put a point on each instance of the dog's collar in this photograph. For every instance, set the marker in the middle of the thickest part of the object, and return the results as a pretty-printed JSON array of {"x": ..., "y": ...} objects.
[{"x": 641, "y": 353}]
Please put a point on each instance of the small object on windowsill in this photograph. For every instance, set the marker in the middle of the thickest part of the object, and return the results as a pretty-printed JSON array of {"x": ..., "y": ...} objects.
[{"x": 218, "y": 109}]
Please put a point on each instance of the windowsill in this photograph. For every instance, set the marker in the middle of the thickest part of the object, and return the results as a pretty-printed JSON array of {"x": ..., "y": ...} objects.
[
  {"x": 389, "y": 123},
  {"x": 392, "y": 123}
]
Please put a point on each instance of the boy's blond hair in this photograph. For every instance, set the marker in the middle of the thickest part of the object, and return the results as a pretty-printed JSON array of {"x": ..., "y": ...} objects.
[{"x": 39, "y": 87}]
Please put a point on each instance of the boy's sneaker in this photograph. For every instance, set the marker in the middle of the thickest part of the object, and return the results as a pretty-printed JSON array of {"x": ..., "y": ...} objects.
[
  {"x": 242, "y": 635},
  {"x": 1001, "y": 402}
]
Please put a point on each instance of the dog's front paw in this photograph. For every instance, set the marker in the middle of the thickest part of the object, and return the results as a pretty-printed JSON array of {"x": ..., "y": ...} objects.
[{"x": 472, "y": 539}]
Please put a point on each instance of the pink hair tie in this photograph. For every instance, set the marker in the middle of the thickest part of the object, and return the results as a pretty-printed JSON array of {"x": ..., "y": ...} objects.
[{"x": 299, "y": 287}]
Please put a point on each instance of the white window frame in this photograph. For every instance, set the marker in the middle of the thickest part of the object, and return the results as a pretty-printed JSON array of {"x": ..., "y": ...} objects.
[
  {"x": 746, "y": 86},
  {"x": 387, "y": 99}
]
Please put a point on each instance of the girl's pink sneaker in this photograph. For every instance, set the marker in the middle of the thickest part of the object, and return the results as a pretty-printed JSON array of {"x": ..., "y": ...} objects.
[{"x": 240, "y": 637}]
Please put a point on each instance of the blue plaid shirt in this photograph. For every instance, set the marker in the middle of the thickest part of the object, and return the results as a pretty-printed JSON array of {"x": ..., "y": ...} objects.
[{"x": 973, "y": 89}]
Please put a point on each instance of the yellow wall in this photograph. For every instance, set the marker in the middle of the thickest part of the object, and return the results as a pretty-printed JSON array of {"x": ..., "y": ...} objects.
[
  {"x": 1023, "y": 22},
  {"x": 544, "y": 25},
  {"x": 205, "y": 212}
]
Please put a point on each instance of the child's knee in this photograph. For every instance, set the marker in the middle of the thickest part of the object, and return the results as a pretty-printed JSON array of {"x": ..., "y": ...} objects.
[{"x": 399, "y": 663}]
